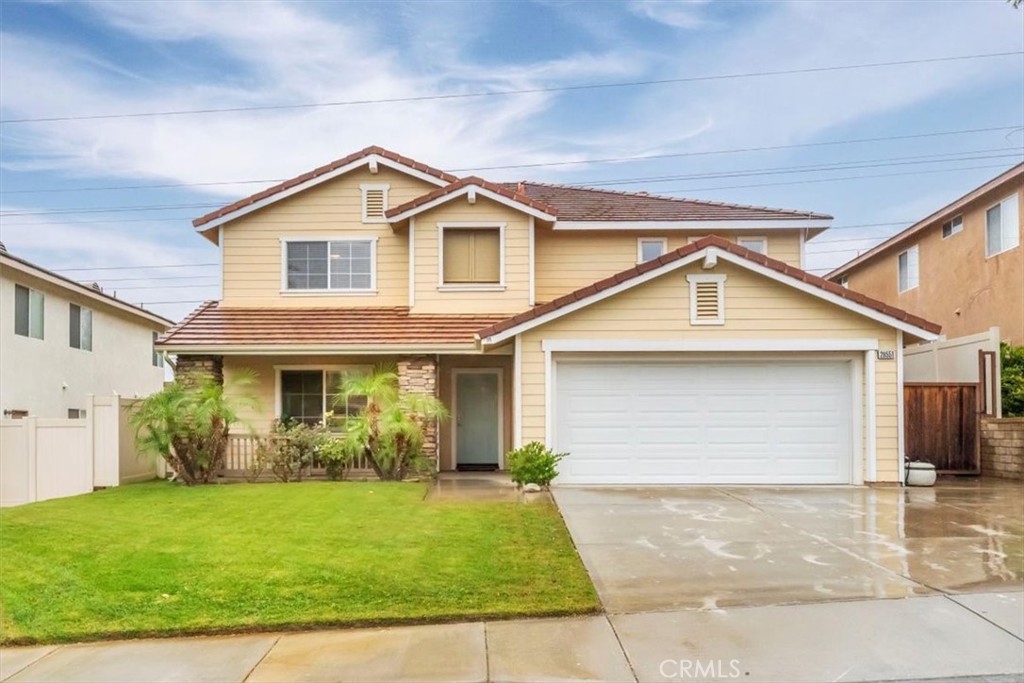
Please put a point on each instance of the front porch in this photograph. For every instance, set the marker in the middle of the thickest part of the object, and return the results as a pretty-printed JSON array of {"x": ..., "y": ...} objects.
[{"x": 477, "y": 390}]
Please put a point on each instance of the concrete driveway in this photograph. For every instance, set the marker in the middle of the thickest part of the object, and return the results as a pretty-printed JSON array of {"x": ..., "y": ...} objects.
[{"x": 656, "y": 549}]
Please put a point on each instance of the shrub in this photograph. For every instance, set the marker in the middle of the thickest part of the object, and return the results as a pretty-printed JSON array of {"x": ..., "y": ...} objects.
[
  {"x": 335, "y": 454},
  {"x": 1012, "y": 375},
  {"x": 290, "y": 449},
  {"x": 187, "y": 425},
  {"x": 533, "y": 463}
]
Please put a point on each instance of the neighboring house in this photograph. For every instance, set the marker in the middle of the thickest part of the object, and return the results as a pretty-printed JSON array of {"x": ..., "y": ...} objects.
[
  {"x": 657, "y": 340},
  {"x": 962, "y": 266},
  {"x": 61, "y": 341}
]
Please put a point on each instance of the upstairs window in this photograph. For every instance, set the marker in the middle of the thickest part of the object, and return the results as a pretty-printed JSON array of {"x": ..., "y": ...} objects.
[
  {"x": 908, "y": 269},
  {"x": 29, "y": 308},
  {"x": 758, "y": 244},
  {"x": 650, "y": 248},
  {"x": 952, "y": 227},
  {"x": 375, "y": 203},
  {"x": 158, "y": 356},
  {"x": 80, "y": 324},
  {"x": 1002, "y": 226},
  {"x": 707, "y": 299},
  {"x": 331, "y": 265},
  {"x": 472, "y": 256},
  {"x": 844, "y": 282}
]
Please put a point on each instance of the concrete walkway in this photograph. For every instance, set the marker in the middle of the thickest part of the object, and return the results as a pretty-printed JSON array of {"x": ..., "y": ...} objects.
[{"x": 916, "y": 638}]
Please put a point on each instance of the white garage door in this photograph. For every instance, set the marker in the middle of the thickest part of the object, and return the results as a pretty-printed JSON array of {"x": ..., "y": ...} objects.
[{"x": 704, "y": 423}]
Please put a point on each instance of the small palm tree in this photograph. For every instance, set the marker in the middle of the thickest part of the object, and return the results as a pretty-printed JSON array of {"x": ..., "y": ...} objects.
[
  {"x": 188, "y": 426},
  {"x": 388, "y": 432}
]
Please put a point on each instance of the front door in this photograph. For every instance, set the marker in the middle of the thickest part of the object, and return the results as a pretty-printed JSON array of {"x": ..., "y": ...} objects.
[{"x": 477, "y": 418}]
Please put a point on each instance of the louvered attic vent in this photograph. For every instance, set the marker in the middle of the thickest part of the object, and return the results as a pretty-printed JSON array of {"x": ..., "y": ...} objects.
[
  {"x": 375, "y": 203},
  {"x": 707, "y": 299}
]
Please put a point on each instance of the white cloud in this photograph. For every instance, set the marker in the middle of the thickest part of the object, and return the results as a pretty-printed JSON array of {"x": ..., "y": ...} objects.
[{"x": 684, "y": 14}]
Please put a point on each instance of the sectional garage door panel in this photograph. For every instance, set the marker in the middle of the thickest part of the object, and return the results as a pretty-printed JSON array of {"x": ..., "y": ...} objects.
[{"x": 704, "y": 423}]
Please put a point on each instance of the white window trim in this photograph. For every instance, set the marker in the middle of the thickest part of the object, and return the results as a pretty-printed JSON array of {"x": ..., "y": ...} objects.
[
  {"x": 469, "y": 287},
  {"x": 899, "y": 284},
  {"x": 82, "y": 311},
  {"x": 740, "y": 239},
  {"x": 693, "y": 280},
  {"x": 640, "y": 241},
  {"x": 363, "y": 187},
  {"x": 309, "y": 368},
  {"x": 985, "y": 214},
  {"x": 372, "y": 239},
  {"x": 954, "y": 231}
]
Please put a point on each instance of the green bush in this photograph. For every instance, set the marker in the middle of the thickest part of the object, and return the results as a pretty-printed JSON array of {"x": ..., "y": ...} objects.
[
  {"x": 1012, "y": 361},
  {"x": 533, "y": 463}
]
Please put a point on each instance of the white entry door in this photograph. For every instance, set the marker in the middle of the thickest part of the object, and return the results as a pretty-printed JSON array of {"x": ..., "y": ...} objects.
[{"x": 766, "y": 422}]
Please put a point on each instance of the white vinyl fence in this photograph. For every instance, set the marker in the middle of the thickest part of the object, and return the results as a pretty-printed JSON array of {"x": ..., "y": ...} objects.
[
  {"x": 44, "y": 458},
  {"x": 956, "y": 361}
]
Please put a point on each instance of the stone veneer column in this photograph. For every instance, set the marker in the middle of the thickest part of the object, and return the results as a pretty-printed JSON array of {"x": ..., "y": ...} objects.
[
  {"x": 418, "y": 375},
  {"x": 191, "y": 370}
]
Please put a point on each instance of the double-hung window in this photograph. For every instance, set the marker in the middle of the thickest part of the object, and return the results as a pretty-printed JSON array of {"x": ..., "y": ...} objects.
[
  {"x": 1002, "y": 226},
  {"x": 337, "y": 265},
  {"x": 472, "y": 256},
  {"x": 80, "y": 324},
  {"x": 312, "y": 396},
  {"x": 908, "y": 269},
  {"x": 158, "y": 355},
  {"x": 29, "y": 308}
]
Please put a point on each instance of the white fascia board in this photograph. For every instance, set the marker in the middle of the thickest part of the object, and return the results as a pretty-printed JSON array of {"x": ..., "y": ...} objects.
[
  {"x": 706, "y": 346},
  {"x": 327, "y": 349},
  {"x": 780, "y": 224},
  {"x": 313, "y": 182},
  {"x": 813, "y": 290},
  {"x": 480, "y": 191}
]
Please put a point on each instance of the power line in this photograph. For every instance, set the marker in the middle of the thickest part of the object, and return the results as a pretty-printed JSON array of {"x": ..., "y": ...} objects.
[
  {"x": 548, "y": 164},
  {"x": 520, "y": 91},
  {"x": 169, "y": 265},
  {"x": 108, "y": 209}
]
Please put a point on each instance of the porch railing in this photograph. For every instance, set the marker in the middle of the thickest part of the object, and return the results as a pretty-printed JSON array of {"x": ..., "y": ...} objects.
[{"x": 242, "y": 452}]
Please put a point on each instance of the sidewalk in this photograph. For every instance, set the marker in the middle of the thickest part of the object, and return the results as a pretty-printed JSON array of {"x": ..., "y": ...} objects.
[{"x": 869, "y": 640}]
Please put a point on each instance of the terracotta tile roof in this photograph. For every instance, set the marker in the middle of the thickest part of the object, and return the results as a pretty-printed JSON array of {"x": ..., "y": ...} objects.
[
  {"x": 682, "y": 252},
  {"x": 214, "y": 325},
  {"x": 503, "y": 190},
  {"x": 588, "y": 204},
  {"x": 298, "y": 180}
]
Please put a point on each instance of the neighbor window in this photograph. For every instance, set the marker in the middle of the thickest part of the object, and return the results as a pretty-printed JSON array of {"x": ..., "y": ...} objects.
[
  {"x": 650, "y": 248},
  {"x": 158, "y": 356},
  {"x": 908, "y": 269},
  {"x": 758, "y": 244},
  {"x": 80, "y": 323},
  {"x": 1002, "y": 227},
  {"x": 952, "y": 227},
  {"x": 334, "y": 265},
  {"x": 844, "y": 282},
  {"x": 308, "y": 395},
  {"x": 76, "y": 413},
  {"x": 471, "y": 255},
  {"x": 28, "y": 312},
  {"x": 375, "y": 203}
]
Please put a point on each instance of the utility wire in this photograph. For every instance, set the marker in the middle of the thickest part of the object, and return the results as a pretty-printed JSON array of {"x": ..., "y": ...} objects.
[{"x": 520, "y": 91}]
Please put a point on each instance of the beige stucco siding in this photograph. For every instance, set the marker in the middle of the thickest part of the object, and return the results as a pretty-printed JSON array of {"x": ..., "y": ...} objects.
[
  {"x": 568, "y": 260},
  {"x": 252, "y": 244},
  {"x": 756, "y": 308},
  {"x": 960, "y": 288},
  {"x": 432, "y": 298}
]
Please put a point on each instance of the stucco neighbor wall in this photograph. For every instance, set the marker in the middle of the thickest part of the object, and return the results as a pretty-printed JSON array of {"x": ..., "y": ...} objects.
[
  {"x": 960, "y": 288},
  {"x": 756, "y": 309},
  {"x": 568, "y": 260}
]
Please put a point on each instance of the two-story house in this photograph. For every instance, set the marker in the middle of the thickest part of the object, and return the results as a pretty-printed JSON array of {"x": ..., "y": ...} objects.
[
  {"x": 61, "y": 341},
  {"x": 655, "y": 339},
  {"x": 962, "y": 266}
]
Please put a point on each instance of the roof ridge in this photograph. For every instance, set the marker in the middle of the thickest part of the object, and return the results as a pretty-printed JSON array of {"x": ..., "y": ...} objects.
[
  {"x": 456, "y": 185},
  {"x": 649, "y": 195}
]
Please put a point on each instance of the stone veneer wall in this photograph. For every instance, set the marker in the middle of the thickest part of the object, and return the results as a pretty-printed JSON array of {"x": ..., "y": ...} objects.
[
  {"x": 192, "y": 369},
  {"x": 1002, "y": 447},
  {"x": 418, "y": 375}
]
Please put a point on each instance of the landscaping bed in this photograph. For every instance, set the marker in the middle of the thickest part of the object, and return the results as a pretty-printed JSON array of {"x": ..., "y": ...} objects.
[{"x": 162, "y": 559}]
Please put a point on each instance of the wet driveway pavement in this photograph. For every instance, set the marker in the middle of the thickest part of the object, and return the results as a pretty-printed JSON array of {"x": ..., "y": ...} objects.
[{"x": 654, "y": 549}]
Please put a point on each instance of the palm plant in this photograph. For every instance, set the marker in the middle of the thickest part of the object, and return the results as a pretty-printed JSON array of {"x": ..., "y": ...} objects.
[
  {"x": 188, "y": 425},
  {"x": 389, "y": 431}
]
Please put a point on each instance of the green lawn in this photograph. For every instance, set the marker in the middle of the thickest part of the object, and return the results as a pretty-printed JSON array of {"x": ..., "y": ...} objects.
[{"x": 159, "y": 558}]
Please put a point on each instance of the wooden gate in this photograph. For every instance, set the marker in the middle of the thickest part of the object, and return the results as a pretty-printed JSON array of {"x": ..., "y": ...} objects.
[{"x": 941, "y": 426}]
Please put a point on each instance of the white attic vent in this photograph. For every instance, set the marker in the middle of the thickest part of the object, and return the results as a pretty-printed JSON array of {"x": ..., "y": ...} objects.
[
  {"x": 707, "y": 299},
  {"x": 375, "y": 203}
]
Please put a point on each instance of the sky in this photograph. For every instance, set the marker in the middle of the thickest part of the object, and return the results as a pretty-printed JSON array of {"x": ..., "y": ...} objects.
[{"x": 826, "y": 128}]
